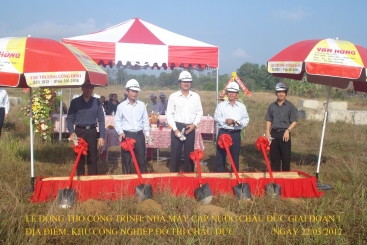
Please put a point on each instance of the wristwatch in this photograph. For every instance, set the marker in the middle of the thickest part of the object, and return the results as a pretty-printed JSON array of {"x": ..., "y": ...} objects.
[{"x": 288, "y": 129}]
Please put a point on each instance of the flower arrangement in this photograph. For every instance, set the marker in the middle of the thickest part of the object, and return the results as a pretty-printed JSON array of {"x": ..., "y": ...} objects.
[{"x": 43, "y": 102}]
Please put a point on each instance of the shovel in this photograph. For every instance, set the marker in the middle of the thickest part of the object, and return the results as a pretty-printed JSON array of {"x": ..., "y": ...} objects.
[
  {"x": 66, "y": 197},
  {"x": 203, "y": 194},
  {"x": 242, "y": 190},
  {"x": 273, "y": 190},
  {"x": 142, "y": 191}
]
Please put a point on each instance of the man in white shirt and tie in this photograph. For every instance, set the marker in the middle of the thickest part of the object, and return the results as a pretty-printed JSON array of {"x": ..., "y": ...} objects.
[
  {"x": 184, "y": 111},
  {"x": 4, "y": 107},
  {"x": 131, "y": 120},
  {"x": 231, "y": 117}
]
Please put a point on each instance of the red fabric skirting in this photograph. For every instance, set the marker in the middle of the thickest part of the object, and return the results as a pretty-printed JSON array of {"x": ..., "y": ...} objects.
[{"x": 114, "y": 187}]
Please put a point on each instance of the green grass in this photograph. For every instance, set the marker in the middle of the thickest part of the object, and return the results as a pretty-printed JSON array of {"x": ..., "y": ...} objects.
[{"x": 343, "y": 167}]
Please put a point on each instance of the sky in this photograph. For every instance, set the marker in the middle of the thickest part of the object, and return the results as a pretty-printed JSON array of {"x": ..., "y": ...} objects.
[{"x": 245, "y": 31}]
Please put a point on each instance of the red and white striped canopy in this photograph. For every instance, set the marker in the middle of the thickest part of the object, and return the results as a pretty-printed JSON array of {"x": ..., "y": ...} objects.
[{"x": 137, "y": 43}]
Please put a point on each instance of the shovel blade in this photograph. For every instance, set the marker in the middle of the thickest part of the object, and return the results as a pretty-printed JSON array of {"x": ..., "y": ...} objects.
[
  {"x": 143, "y": 192},
  {"x": 203, "y": 194},
  {"x": 323, "y": 187},
  {"x": 242, "y": 191},
  {"x": 66, "y": 198},
  {"x": 273, "y": 190}
]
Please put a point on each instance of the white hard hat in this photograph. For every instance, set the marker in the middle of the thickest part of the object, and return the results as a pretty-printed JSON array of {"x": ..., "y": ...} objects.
[
  {"x": 133, "y": 85},
  {"x": 281, "y": 87},
  {"x": 233, "y": 87},
  {"x": 185, "y": 76}
]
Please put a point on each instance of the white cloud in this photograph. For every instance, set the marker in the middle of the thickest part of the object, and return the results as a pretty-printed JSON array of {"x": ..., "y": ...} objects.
[
  {"x": 290, "y": 15},
  {"x": 240, "y": 53},
  {"x": 52, "y": 30}
]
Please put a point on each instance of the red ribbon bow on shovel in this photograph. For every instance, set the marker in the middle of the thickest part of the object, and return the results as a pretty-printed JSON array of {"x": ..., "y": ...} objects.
[
  {"x": 82, "y": 146},
  {"x": 263, "y": 145},
  {"x": 125, "y": 144},
  {"x": 263, "y": 142},
  {"x": 196, "y": 155},
  {"x": 225, "y": 141}
]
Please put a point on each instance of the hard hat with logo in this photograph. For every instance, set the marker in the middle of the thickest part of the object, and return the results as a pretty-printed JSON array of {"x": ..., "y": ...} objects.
[
  {"x": 185, "y": 76},
  {"x": 281, "y": 87},
  {"x": 233, "y": 87},
  {"x": 133, "y": 85}
]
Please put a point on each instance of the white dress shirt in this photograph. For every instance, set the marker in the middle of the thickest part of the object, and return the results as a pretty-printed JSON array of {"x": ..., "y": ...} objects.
[
  {"x": 236, "y": 112},
  {"x": 132, "y": 118},
  {"x": 183, "y": 109},
  {"x": 4, "y": 100}
]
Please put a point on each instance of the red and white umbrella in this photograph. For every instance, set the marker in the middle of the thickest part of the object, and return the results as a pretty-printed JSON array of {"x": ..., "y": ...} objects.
[
  {"x": 41, "y": 62},
  {"x": 324, "y": 61},
  {"x": 331, "y": 62}
]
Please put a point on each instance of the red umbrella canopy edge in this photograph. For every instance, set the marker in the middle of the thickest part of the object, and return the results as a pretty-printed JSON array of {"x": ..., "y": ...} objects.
[{"x": 41, "y": 62}]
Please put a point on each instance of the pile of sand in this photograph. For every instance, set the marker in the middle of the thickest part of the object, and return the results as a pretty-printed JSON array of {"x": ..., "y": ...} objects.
[
  {"x": 149, "y": 206},
  {"x": 212, "y": 210},
  {"x": 92, "y": 206}
]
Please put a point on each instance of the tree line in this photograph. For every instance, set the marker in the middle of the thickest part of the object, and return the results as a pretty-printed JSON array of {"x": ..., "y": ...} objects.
[{"x": 254, "y": 76}]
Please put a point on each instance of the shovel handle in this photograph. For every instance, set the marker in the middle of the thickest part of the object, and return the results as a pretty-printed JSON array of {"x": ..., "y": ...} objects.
[
  {"x": 74, "y": 168},
  {"x": 135, "y": 163},
  {"x": 232, "y": 164},
  {"x": 267, "y": 163},
  {"x": 199, "y": 171}
]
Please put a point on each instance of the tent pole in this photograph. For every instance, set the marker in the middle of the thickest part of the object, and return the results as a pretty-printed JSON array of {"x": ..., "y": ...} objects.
[
  {"x": 319, "y": 185},
  {"x": 216, "y": 100},
  {"x": 69, "y": 96},
  {"x": 61, "y": 111},
  {"x": 31, "y": 138}
]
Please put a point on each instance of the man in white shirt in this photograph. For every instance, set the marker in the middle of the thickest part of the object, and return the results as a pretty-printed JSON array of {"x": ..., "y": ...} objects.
[
  {"x": 131, "y": 120},
  {"x": 4, "y": 107},
  {"x": 231, "y": 117},
  {"x": 184, "y": 111},
  {"x": 162, "y": 104}
]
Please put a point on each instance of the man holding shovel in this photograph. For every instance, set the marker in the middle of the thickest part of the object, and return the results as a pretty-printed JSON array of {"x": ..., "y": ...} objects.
[
  {"x": 184, "y": 113},
  {"x": 281, "y": 118},
  {"x": 83, "y": 113},
  {"x": 131, "y": 120},
  {"x": 231, "y": 117}
]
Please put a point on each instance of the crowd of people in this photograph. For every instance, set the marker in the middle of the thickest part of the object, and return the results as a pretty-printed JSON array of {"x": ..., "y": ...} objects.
[{"x": 184, "y": 112}]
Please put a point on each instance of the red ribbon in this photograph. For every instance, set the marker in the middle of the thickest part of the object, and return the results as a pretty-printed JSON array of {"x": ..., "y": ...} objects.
[
  {"x": 197, "y": 155},
  {"x": 225, "y": 141},
  {"x": 125, "y": 146},
  {"x": 263, "y": 141},
  {"x": 82, "y": 146}
]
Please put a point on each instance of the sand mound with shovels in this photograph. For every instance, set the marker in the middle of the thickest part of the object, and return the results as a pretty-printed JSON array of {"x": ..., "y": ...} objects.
[
  {"x": 149, "y": 206},
  {"x": 212, "y": 210}
]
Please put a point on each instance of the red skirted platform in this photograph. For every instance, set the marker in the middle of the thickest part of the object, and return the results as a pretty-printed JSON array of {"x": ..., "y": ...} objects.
[{"x": 111, "y": 187}]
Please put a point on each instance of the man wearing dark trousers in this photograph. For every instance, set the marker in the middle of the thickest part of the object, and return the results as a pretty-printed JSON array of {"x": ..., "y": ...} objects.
[
  {"x": 184, "y": 110},
  {"x": 281, "y": 118},
  {"x": 83, "y": 113},
  {"x": 131, "y": 120},
  {"x": 4, "y": 107},
  {"x": 231, "y": 117}
]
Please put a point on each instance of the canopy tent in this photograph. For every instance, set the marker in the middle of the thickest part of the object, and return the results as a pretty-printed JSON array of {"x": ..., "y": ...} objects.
[{"x": 138, "y": 44}]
